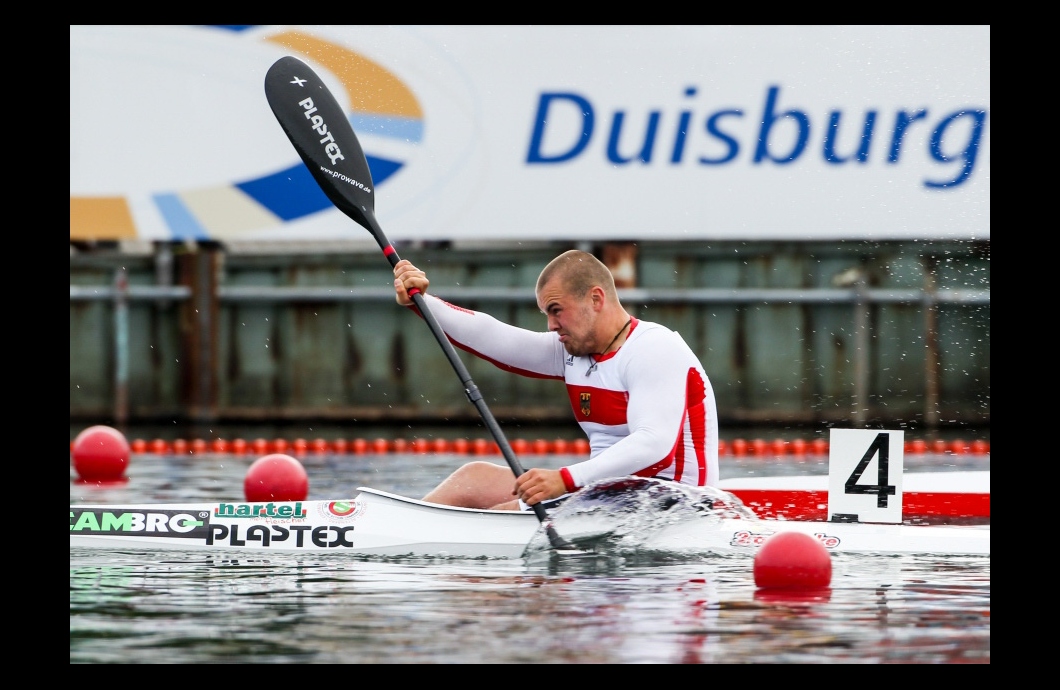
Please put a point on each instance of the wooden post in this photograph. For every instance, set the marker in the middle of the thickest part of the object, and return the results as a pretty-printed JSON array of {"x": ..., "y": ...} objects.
[
  {"x": 121, "y": 348},
  {"x": 862, "y": 340},
  {"x": 197, "y": 268},
  {"x": 931, "y": 345}
]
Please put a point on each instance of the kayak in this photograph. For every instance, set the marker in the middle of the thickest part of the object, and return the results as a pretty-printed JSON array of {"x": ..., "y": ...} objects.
[{"x": 378, "y": 523}]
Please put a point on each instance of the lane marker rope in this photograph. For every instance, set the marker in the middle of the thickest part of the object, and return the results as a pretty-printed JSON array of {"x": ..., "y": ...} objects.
[{"x": 738, "y": 447}]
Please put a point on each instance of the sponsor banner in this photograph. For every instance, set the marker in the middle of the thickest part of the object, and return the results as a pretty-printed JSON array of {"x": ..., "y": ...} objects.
[
  {"x": 148, "y": 522},
  {"x": 756, "y": 539},
  {"x": 515, "y": 133},
  {"x": 295, "y": 525}
]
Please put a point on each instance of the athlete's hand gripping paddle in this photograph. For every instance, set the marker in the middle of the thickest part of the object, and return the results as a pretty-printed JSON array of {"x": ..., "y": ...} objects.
[{"x": 323, "y": 136}]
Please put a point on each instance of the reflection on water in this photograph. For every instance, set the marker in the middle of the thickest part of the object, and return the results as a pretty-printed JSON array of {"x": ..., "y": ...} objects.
[{"x": 131, "y": 606}]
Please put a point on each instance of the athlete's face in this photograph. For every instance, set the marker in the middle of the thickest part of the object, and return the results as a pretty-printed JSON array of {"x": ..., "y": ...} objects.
[{"x": 573, "y": 318}]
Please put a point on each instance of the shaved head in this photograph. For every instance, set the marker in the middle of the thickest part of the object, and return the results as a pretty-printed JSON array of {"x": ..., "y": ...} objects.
[{"x": 578, "y": 272}]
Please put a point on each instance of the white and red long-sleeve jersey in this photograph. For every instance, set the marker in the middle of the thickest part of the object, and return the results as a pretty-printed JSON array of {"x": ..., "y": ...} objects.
[{"x": 647, "y": 408}]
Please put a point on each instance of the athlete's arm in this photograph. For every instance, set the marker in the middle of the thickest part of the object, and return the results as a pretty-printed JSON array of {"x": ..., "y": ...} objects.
[
  {"x": 518, "y": 350},
  {"x": 530, "y": 353}
]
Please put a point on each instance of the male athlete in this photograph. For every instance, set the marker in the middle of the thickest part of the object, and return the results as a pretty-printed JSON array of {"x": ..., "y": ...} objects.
[{"x": 638, "y": 391}]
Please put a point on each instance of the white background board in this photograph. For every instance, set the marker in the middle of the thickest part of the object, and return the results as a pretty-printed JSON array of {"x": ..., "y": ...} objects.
[
  {"x": 180, "y": 110},
  {"x": 867, "y": 452}
]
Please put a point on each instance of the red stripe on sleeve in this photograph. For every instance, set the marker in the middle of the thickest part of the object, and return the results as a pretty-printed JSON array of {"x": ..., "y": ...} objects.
[
  {"x": 501, "y": 365},
  {"x": 568, "y": 481},
  {"x": 679, "y": 450},
  {"x": 696, "y": 393}
]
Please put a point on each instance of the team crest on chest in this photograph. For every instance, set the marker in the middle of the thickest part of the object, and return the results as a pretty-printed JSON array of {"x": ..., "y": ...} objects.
[{"x": 585, "y": 403}]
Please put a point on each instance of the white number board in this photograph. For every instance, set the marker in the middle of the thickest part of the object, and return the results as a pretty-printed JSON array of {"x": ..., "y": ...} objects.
[{"x": 865, "y": 475}]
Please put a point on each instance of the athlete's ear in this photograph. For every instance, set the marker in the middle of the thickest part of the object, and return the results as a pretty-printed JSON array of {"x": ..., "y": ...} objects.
[{"x": 598, "y": 296}]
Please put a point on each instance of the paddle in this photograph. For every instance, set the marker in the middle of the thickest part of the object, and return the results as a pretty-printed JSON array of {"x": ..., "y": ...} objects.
[{"x": 324, "y": 138}]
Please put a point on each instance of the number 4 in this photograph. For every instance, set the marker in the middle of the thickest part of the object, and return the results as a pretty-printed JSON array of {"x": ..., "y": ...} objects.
[{"x": 881, "y": 446}]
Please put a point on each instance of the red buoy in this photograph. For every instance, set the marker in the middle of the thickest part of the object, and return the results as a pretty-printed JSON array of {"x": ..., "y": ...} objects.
[
  {"x": 276, "y": 477},
  {"x": 100, "y": 453},
  {"x": 792, "y": 560}
]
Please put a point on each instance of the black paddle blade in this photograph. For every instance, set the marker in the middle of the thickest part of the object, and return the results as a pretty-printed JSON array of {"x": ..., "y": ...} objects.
[{"x": 323, "y": 136}]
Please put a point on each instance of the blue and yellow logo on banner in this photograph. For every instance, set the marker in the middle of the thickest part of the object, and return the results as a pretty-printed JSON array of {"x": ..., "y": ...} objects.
[{"x": 381, "y": 106}]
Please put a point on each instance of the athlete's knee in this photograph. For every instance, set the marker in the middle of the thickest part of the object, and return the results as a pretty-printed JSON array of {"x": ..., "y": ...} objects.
[{"x": 481, "y": 468}]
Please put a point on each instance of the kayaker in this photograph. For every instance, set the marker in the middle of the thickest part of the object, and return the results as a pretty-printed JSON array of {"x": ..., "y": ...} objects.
[{"x": 638, "y": 391}]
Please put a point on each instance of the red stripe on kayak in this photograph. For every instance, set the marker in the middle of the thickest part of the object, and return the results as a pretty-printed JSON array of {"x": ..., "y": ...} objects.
[{"x": 813, "y": 505}]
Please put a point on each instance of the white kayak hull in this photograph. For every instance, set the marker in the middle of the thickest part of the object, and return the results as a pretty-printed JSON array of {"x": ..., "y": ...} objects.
[{"x": 383, "y": 524}]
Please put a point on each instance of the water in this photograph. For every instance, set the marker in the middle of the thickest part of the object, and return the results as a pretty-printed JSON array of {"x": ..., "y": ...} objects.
[{"x": 129, "y": 606}]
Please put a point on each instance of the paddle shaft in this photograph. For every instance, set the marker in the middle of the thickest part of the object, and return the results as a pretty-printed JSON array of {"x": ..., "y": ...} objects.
[
  {"x": 321, "y": 132},
  {"x": 472, "y": 391}
]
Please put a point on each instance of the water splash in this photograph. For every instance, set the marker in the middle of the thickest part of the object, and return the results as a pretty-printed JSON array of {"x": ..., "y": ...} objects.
[{"x": 635, "y": 517}]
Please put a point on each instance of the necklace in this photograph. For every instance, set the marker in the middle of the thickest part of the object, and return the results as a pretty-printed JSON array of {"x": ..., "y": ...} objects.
[{"x": 592, "y": 367}]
